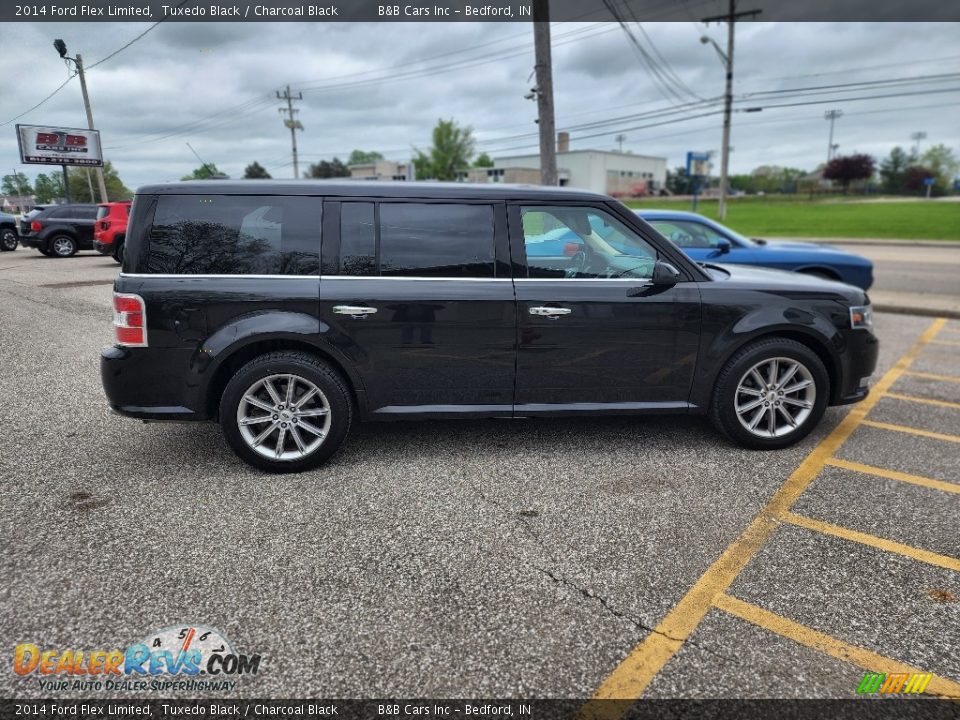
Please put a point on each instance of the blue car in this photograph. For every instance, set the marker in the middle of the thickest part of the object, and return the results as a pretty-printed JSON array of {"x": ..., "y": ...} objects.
[{"x": 707, "y": 241}]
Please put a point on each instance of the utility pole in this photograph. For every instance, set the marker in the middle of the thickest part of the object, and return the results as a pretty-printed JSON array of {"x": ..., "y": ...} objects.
[
  {"x": 292, "y": 123},
  {"x": 832, "y": 116},
  {"x": 544, "y": 92},
  {"x": 731, "y": 19},
  {"x": 917, "y": 137},
  {"x": 620, "y": 138},
  {"x": 77, "y": 61}
]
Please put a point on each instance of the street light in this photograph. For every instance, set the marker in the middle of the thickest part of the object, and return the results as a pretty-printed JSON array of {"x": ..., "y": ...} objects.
[
  {"x": 727, "y": 59},
  {"x": 61, "y": 48}
]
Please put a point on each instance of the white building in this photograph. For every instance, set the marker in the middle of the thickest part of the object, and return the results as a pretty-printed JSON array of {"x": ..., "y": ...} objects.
[{"x": 604, "y": 171}]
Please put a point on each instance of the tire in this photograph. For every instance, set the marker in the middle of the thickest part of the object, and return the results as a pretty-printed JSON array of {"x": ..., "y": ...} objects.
[
  {"x": 8, "y": 239},
  {"x": 62, "y": 246},
  {"x": 738, "y": 388},
  {"x": 118, "y": 253},
  {"x": 313, "y": 449}
]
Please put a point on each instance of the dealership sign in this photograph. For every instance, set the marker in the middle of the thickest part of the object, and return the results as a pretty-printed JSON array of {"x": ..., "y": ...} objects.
[{"x": 55, "y": 145}]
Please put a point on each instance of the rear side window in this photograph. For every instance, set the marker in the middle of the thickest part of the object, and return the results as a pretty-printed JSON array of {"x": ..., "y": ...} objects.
[
  {"x": 436, "y": 240},
  {"x": 416, "y": 239},
  {"x": 234, "y": 235},
  {"x": 102, "y": 212}
]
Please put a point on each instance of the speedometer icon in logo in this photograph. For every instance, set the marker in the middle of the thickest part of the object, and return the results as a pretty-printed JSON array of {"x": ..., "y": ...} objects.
[
  {"x": 182, "y": 639},
  {"x": 191, "y": 650}
]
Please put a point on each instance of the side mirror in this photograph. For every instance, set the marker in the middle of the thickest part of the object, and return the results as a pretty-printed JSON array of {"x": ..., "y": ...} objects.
[
  {"x": 723, "y": 246},
  {"x": 665, "y": 274}
]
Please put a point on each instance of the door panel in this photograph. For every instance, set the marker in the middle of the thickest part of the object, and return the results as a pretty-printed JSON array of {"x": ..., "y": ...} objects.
[{"x": 594, "y": 333}]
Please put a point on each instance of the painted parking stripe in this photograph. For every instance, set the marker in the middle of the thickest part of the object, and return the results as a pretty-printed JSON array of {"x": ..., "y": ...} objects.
[
  {"x": 925, "y": 556},
  {"x": 912, "y": 431},
  {"x": 895, "y": 475},
  {"x": 933, "y": 376},
  {"x": 635, "y": 672},
  {"x": 827, "y": 644},
  {"x": 955, "y": 343},
  {"x": 925, "y": 401}
]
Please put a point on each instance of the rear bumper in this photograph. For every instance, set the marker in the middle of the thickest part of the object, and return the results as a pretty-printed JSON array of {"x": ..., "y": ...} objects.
[
  {"x": 104, "y": 248},
  {"x": 142, "y": 384}
]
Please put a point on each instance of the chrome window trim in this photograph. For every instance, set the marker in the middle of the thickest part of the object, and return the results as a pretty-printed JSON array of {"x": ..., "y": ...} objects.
[{"x": 381, "y": 278}]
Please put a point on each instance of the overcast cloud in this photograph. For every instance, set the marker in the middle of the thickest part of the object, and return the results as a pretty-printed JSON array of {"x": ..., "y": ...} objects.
[{"x": 213, "y": 85}]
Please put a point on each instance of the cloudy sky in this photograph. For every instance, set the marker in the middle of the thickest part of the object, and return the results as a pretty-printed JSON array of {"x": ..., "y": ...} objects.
[{"x": 382, "y": 87}]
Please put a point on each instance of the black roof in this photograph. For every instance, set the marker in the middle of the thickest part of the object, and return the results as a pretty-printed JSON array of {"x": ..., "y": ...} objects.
[{"x": 372, "y": 189}]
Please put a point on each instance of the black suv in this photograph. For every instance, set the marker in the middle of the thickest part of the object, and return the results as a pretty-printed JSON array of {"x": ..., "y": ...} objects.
[
  {"x": 60, "y": 230},
  {"x": 285, "y": 310}
]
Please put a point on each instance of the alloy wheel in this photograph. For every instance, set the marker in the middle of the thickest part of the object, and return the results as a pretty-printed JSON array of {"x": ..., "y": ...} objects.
[
  {"x": 284, "y": 417},
  {"x": 775, "y": 397}
]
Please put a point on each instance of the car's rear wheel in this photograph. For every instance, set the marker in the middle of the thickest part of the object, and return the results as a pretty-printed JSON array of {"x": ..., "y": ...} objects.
[
  {"x": 118, "y": 253},
  {"x": 63, "y": 246},
  {"x": 285, "y": 412},
  {"x": 8, "y": 240},
  {"x": 770, "y": 394}
]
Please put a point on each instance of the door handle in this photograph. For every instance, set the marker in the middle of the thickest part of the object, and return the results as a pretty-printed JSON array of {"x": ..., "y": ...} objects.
[
  {"x": 550, "y": 312},
  {"x": 357, "y": 312}
]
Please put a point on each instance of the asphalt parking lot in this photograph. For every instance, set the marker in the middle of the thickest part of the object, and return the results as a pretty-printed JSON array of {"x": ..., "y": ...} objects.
[{"x": 621, "y": 557}]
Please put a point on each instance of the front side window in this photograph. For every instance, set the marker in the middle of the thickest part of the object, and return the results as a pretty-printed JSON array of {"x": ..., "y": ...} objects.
[
  {"x": 235, "y": 235},
  {"x": 583, "y": 242},
  {"x": 688, "y": 234}
]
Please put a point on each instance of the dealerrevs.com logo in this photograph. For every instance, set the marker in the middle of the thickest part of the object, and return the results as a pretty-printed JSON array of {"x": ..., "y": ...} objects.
[{"x": 185, "y": 657}]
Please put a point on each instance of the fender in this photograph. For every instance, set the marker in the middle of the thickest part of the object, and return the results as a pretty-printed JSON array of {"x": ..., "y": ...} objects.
[
  {"x": 719, "y": 343},
  {"x": 256, "y": 327}
]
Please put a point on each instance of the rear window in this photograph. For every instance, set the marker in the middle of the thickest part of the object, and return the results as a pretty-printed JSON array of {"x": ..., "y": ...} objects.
[
  {"x": 102, "y": 212},
  {"x": 234, "y": 235}
]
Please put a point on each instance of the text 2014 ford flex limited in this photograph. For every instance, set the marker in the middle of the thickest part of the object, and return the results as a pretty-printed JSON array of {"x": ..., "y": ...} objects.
[{"x": 285, "y": 311}]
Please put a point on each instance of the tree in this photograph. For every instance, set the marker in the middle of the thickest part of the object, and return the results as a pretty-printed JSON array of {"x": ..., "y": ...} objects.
[
  {"x": 47, "y": 188},
  {"x": 846, "y": 169},
  {"x": 327, "y": 169},
  {"x": 15, "y": 184},
  {"x": 483, "y": 161},
  {"x": 81, "y": 178},
  {"x": 944, "y": 164},
  {"x": 914, "y": 176},
  {"x": 207, "y": 171},
  {"x": 451, "y": 152},
  {"x": 677, "y": 181},
  {"x": 893, "y": 170},
  {"x": 363, "y": 157},
  {"x": 255, "y": 171}
]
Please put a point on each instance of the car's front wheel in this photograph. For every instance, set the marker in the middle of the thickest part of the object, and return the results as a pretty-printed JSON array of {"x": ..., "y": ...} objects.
[
  {"x": 8, "y": 240},
  {"x": 285, "y": 412},
  {"x": 63, "y": 246},
  {"x": 770, "y": 394}
]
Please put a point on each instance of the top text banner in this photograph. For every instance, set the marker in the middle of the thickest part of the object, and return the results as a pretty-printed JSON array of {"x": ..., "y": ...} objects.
[{"x": 459, "y": 11}]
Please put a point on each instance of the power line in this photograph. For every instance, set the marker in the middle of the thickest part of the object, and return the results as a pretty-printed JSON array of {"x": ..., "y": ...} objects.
[{"x": 27, "y": 112}]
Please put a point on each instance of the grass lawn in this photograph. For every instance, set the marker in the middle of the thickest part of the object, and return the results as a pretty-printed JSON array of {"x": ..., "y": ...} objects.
[{"x": 832, "y": 217}]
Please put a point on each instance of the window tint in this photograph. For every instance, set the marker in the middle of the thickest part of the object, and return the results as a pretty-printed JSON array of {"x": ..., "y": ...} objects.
[
  {"x": 583, "y": 242},
  {"x": 688, "y": 234},
  {"x": 437, "y": 240},
  {"x": 235, "y": 235},
  {"x": 86, "y": 213},
  {"x": 358, "y": 239}
]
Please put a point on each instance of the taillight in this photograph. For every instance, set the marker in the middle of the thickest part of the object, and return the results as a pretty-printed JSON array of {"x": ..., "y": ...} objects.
[
  {"x": 104, "y": 224},
  {"x": 36, "y": 226},
  {"x": 130, "y": 320}
]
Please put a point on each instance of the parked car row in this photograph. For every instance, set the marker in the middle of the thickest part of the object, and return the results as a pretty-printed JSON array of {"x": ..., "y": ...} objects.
[{"x": 63, "y": 230}]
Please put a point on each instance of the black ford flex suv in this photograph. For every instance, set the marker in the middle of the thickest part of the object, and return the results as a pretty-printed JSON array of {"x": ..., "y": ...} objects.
[{"x": 287, "y": 310}]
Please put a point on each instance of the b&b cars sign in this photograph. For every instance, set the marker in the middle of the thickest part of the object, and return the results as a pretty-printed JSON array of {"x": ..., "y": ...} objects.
[{"x": 56, "y": 145}]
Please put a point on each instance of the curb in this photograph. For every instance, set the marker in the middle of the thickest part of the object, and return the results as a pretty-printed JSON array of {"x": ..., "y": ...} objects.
[
  {"x": 921, "y": 311},
  {"x": 954, "y": 244}
]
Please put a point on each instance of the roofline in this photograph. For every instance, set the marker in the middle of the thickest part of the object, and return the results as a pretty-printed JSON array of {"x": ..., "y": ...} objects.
[
  {"x": 371, "y": 189},
  {"x": 588, "y": 150}
]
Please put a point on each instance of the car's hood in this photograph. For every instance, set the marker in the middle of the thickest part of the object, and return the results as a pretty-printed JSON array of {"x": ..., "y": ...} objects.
[
  {"x": 791, "y": 245},
  {"x": 782, "y": 280}
]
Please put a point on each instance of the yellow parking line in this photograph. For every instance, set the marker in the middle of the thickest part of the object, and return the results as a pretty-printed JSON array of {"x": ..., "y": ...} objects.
[
  {"x": 912, "y": 431},
  {"x": 931, "y": 558},
  {"x": 933, "y": 376},
  {"x": 926, "y": 401},
  {"x": 631, "y": 677},
  {"x": 808, "y": 637},
  {"x": 895, "y": 475}
]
